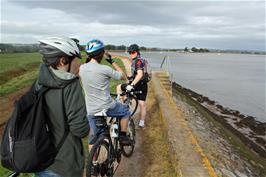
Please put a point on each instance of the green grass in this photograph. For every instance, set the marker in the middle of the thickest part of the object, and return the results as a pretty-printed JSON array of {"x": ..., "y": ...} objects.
[
  {"x": 18, "y": 83},
  {"x": 17, "y": 60},
  {"x": 20, "y": 70},
  {"x": 113, "y": 82}
]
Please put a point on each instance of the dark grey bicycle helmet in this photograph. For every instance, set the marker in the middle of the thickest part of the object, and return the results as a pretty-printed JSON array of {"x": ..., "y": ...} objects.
[{"x": 132, "y": 48}]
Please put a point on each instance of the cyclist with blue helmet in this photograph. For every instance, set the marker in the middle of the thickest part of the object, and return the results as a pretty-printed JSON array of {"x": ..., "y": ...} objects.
[{"x": 95, "y": 79}]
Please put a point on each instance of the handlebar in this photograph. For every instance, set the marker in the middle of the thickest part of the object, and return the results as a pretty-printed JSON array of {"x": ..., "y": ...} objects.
[{"x": 131, "y": 92}]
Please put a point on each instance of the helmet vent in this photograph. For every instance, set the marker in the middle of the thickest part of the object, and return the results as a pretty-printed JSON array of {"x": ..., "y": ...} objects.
[{"x": 69, "y": 43}]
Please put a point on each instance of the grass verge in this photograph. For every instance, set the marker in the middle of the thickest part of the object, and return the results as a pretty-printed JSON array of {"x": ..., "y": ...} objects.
[
  {"x": 13, "y": 61},
  {"x": 155, "y": 145},
  {"x": 18, "y": 83}
]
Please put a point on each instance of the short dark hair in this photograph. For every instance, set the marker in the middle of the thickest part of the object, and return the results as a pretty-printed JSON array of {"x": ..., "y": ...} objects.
[
  {"x": 67, "y": 60},
  {"x": 98, "y": 56}
]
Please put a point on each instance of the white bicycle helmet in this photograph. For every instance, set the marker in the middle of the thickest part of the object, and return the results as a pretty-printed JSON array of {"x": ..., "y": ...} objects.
[{"x": 57, "y": 46}]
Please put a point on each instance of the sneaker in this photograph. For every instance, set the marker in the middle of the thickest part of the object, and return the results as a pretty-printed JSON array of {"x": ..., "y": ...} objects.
[
  {"x": 124, "y": 139},
  {"x": 141, "y": 124}
]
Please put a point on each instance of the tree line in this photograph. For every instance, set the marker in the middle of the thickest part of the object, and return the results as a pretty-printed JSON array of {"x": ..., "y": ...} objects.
[
  {"x": 19, "y": 48},
  {"x": 30, "y": 48},
  {"x": 194, "y": 49}
]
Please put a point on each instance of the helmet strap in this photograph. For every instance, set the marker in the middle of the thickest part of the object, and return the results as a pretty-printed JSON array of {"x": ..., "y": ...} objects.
[{"x": 69, "y": 66}]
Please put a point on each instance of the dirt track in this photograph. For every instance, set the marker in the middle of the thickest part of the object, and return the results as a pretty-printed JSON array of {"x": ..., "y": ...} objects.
[{"x": 151, "y": 155}]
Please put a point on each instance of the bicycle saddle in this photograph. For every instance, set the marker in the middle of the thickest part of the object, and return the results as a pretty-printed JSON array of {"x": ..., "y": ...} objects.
[{"x": 101, "y": 113}]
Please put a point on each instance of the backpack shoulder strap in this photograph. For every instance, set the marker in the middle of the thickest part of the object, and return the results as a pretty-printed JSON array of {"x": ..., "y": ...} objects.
[
  {"x": 42, "y": 90},
  {"x": 145, "y": 65},
  {"x": 145, "y": 62}
]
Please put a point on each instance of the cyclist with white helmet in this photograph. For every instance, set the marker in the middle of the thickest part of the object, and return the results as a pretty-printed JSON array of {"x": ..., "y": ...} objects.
[
  {"x": 64, "y": 105},
  {"x": 95, "y": 79}
]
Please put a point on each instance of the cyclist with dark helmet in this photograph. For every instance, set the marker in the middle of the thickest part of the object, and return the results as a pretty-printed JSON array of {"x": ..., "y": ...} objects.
[
  {"x": 137, "y": 83},
  {"x": 95, "y": 79},
  {"x": 64, "y": 104}
]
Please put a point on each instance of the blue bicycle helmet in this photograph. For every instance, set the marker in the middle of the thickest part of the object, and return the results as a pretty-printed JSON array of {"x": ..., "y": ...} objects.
[{"x": 94, "y": 47}]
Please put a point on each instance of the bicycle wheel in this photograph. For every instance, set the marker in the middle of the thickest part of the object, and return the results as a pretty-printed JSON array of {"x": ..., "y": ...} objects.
[
  {"x": 97, "y": 164},
  {"x": 127, "y": 150},
  {"x": 133, "y": 104}
]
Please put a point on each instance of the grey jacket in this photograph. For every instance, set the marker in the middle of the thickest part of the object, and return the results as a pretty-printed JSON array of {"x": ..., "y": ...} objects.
[{"x": 65, "y": 102}]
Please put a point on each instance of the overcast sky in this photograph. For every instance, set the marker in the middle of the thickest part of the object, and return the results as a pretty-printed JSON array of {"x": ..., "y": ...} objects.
[{"x": 171, "y": 24}]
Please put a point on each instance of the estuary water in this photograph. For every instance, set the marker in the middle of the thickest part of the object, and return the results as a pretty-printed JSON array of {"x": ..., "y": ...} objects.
[{"x": 236, "y": 81}]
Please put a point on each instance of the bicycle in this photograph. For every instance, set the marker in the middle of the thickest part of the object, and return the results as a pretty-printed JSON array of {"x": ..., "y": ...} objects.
[
  {"x": 130, "y": 100},
  {"x": 107, "y": 150}
]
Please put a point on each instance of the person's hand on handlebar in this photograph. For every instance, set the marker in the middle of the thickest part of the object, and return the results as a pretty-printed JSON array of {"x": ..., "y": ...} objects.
[{"x": 127, "y": 87}]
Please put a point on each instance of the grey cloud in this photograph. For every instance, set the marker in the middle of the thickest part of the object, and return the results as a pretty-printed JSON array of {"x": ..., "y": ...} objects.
[
  {"x": 154, "y": 13},
  {"x": 155, "y": 23}
]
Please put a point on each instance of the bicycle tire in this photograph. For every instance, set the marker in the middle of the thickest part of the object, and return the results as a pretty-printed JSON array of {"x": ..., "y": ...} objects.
[
  {"x": 101, "y": 168},
  {"x": 133, "y": 105},
  {"x": 127, "y": 150}
]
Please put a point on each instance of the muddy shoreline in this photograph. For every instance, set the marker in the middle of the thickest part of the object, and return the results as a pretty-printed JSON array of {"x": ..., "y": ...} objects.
[{"x": 250, "y": 131}]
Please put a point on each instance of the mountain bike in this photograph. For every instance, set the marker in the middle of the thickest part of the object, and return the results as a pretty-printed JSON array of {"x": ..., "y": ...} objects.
[{"x": 106, "y": 153}]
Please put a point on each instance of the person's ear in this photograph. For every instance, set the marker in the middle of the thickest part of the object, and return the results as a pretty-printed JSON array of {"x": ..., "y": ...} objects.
[{"x": 62, "y": 61}]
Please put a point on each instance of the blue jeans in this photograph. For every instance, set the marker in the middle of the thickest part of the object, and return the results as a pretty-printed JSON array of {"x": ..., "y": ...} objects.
[
  {"x": 47, "y": 173},
  {"x": 120, "y": 111}
]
